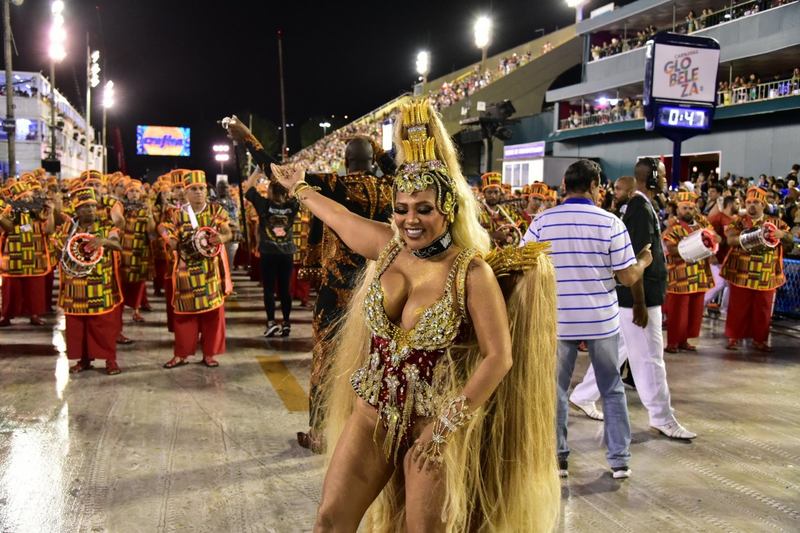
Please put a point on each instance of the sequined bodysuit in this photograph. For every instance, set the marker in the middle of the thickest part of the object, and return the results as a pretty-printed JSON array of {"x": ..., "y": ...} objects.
[{"x": 403, "y": 376}]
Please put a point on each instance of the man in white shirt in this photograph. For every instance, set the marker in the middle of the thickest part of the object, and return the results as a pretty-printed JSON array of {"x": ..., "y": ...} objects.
[{"x": 589, "y": 247}]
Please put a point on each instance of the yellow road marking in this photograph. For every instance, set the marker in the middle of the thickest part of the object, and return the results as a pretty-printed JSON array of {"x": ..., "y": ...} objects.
[{"x": 291, "y": 393}]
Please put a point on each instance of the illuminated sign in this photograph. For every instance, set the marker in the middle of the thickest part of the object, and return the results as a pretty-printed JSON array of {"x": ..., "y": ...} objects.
[
  {"x": 163, "y": 140},
  {"x": 684, "y": 117},
  {"x": 685, "y": 73},
  {"x": 524, "y": 151}
]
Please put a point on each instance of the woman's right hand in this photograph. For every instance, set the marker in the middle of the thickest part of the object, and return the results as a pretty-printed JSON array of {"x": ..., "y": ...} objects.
[
  {"x": 237, "y": 130},
  {"x": 288, "y": 175}
]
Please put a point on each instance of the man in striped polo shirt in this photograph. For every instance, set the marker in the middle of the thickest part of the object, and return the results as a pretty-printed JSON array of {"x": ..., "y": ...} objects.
[{"x": 589, "y": 247}]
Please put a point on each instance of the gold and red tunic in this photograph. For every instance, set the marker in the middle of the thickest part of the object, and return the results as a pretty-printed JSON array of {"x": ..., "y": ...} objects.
[
  {"x": 99, "y": 292},
  {"x": 503, "y": 215},
  {"x": 136, "y": 251},
  {"x": 683, "y": 277},
  {"x": 24, "y": 251},
  {"x": 198, "y": 284},
  {"x": 760, "y": 270}
]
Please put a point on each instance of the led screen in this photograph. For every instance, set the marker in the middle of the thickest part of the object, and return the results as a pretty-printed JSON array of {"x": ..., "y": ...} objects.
[{"x": 163, "y": 140}]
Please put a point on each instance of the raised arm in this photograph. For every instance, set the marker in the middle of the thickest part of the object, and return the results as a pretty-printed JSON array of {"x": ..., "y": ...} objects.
[{"x": 364, "y": 236}]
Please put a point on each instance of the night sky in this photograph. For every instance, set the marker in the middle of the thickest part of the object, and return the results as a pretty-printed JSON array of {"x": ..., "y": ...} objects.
[{"x": 176, "y": 63}]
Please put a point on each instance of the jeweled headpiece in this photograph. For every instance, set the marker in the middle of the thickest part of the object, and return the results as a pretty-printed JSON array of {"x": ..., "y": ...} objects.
[{"x": 422, "y": 169}]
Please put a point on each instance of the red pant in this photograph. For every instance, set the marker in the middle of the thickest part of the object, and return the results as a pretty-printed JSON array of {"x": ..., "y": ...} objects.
[
  {"x": 749, "y": 313},
  {"x": 168, "y": 293},
  {"x": 684, "y": 316},
  {"x": 93, "y": 336},
  {"x": 209, "y": 325},
  {"x": 49, "y": 281},
  {"x": 134, "y": 293},
  {"x": 160, "y": 266},
  {"x": 300, "y": 288},
  {"x": 23, "y": 296}
]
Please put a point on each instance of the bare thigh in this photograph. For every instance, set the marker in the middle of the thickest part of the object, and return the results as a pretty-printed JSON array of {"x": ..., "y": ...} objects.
[
  {"x": 424, "y": 494},
  {"x": 357, "y": 473}
]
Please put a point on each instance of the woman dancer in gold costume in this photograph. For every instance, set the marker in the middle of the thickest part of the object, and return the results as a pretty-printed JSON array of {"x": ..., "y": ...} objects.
[{"x": 450, "y": 349}]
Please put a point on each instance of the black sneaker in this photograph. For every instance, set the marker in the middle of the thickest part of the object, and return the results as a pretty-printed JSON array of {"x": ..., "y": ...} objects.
[
  {"x": 562, "y": 468},
  {"x": 272, "y": 329},
  {"x": 286, "y": 329}
]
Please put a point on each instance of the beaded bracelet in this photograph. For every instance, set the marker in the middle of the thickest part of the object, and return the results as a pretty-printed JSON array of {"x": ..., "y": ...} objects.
[{"x": 299, "y": 187}]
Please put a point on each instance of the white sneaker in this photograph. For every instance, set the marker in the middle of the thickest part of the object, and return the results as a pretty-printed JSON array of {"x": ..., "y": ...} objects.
[
  {"x": 622, "y": 472},
  {"x": 674, "y": 430},
  {"x": 589, "y": 409}
]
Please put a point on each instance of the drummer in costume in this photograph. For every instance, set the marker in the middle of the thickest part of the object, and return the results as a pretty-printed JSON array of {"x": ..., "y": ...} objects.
[
  {"x": 176, "y": 202},
  {"x": 754, "y": 270},
  {"x": 199, "y": 288},
  {"x": 25, "y": 226},
  {"x": 688, "y": 279},
  {"x": 537, "y": 195},
  {"x": 329, "y": 261},
  {"x": 140, "y": 227},
  {"x": 160, "y": 198},
  {"x": 107, "y": 206},
  {"x": 89, "y": 287},
  {"x": 550, "y": 199},
  {"x": 504, "y": 223}
]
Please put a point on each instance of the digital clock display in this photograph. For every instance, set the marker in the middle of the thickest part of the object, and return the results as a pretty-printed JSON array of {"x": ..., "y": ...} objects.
[{"x": 684, "y": 117}]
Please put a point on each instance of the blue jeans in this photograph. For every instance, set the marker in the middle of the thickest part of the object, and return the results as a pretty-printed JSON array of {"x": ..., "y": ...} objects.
[{"x": 617, "y": 431}]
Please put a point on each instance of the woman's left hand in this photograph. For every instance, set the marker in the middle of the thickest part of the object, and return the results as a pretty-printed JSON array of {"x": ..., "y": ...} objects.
[{"x": 421, "y": 452}]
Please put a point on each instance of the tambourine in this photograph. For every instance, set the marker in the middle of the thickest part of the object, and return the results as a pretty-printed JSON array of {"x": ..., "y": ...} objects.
[
  {"x": 511, "y": 236},
  {"x": 759, "y": 239},
  {"x": 698, "y": 246},
  {"x": 199, "y": 246},
  {"x": 77, "y": 260}
]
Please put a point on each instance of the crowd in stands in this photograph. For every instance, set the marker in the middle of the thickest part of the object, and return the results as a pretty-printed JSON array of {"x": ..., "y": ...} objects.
[
  {"x": 751, "y": 88},
  {"x": 325, "y": 154},
  {"x": 606, "y": 113},
  {"x": 692, "y": 23},
  {"x": 742, "y": 89}
]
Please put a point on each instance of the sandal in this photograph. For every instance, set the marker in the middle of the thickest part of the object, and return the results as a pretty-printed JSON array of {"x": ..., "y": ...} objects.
[
  {"x": 210, "y": 362},
  {"x": 80, "y": 366},
  {"x": 310, "y": 442},
  {"x": 175, "y": 362}
]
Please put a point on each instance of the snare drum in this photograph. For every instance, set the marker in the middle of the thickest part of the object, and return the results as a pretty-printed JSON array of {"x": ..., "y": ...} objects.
[{"x": 698, "y": 246}]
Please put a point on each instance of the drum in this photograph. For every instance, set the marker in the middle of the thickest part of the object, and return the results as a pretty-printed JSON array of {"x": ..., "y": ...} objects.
[
  {"x": 507, "y": 235},
  {"x": 76, "y": 259},
  {"x": 698, "y": 246},
  {"x": 198, "y": 245},
  {"x": 759, "y": 239}
]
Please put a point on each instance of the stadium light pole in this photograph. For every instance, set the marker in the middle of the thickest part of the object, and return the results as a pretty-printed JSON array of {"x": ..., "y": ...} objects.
[
  {"x": 221, "y": 155},
  {"x": 9, "y": 124},
  {"x": 92, "y": 81},
  {"x": 578, "y": 6},
  {"x": 483, "y": 34},
  {"x": 108, "y": 103},
  {"x": 423, "y": 65},
  {"x": 57, "y": 52},
  {"x": 324, "y": 125}
]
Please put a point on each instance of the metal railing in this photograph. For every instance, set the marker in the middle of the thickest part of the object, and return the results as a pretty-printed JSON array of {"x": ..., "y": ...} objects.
[
  {"x": 760, "y": 92},
  {"x": 698, "y": 23},
  {"x": 726, "y": 97}
]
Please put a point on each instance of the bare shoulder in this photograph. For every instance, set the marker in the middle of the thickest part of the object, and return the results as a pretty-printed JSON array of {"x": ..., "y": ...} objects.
[{"x": 479, "y": 273}]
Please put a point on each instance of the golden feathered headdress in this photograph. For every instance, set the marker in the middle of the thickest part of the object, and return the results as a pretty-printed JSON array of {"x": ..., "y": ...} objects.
[{"x": 422, "y": 168}]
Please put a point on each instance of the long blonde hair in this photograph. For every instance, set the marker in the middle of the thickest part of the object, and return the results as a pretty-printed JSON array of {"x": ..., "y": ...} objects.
[{"x": 500, "y": 470}]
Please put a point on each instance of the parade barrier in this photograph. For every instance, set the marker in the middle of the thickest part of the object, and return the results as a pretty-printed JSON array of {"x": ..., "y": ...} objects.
[{"x": 787, "y": 301}]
